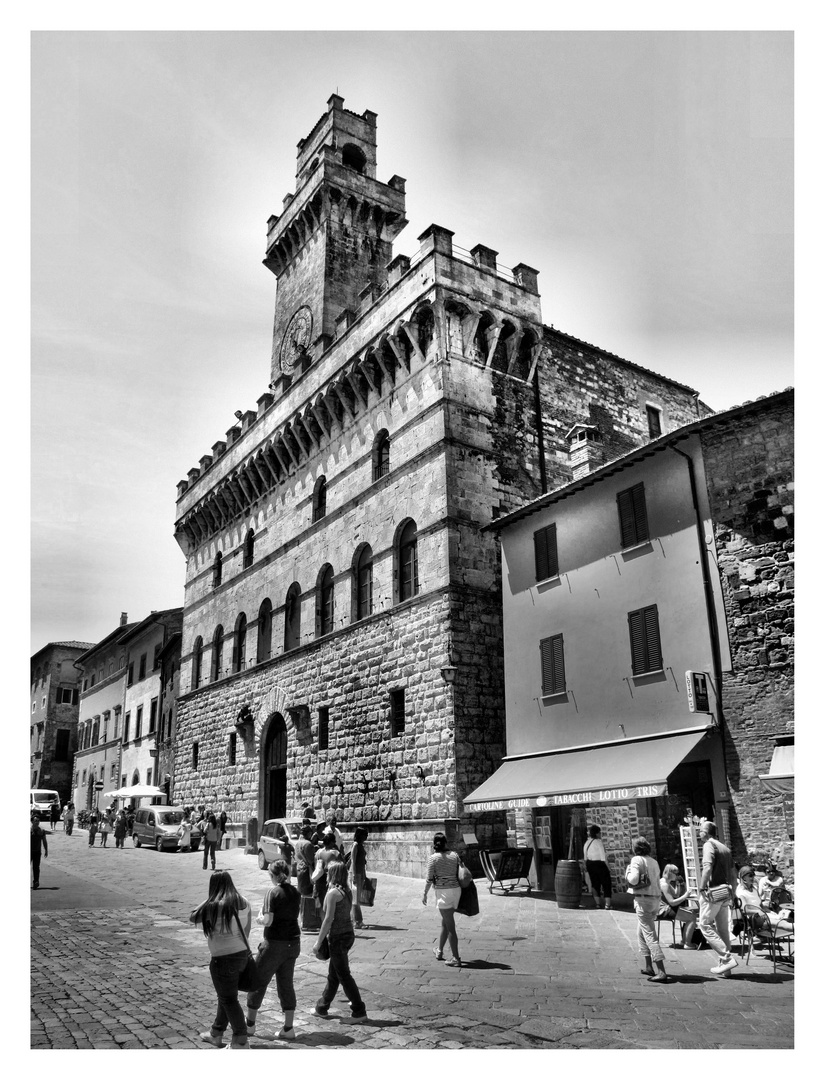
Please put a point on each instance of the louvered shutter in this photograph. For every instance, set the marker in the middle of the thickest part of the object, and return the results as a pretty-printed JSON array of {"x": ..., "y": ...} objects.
[
  {"x": 552, "y": 665},
  {"x": 633, "y": 515},
  {"x": 547, "y": 556},
  {"x": 645, "y": 643}
]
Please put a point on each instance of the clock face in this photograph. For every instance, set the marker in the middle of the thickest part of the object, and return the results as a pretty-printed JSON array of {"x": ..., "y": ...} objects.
[{"x": 296, "y": 339}]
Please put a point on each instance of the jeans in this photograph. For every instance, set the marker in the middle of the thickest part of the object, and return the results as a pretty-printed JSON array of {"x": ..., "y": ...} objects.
[
  {"x": 225, "y": 971},
  {"x": 339, "y": 975},
  {"x": 646, "y": 908},
  {"x": 276, "y": 958},
  {"x": 713, "y": 918},
  {"x": 69, "y": 826},
  {"x": 209, "y": 849},
  {"x": 357, "y": 882}
]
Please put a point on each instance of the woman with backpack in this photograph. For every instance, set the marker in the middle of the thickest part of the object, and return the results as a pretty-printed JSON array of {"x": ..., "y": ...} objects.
[
  {"x": 225, "y": 917},
  {"x": 643, "y": 877}
]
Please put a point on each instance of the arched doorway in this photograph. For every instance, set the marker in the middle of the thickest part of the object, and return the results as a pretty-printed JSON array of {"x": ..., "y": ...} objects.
[{"x": 274, "y": 765}]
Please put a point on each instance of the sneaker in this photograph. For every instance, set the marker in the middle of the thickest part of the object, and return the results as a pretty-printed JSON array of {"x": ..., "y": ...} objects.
[
  {"x": 319, "y": 1010},
  {"x": 237, "y": 1046},
  {"x": 286, "y": 1033},
  {"x": 453, "y": 962},
  {"x": 207, "y": 1036},
  {"x": 437, "y": 953},
  {"x": 725, "y": 965}
]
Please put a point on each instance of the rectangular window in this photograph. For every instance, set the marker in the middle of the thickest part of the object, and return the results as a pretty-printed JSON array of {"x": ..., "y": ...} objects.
[
  {"x": 654, "y": 421},
  {"x": 547, "y": 555},
  {"x": 645, "y": 643},
  {"x": 123, "y": 780},
  {"x": 233, "y": 748},
  {"x": 397, "y": 718},
  {"x": 138, "y": 720},
  {"x": 142, "y": 670},
  {"x": 126, "y": 720},
  {"x": 552, "y": 665},
  {"x": 153, "y": 714},
  {"x": 130, "y": 675},
  {"x": 83, "y": 781},
  {"x": 156, "y": 656},
  {"x": 633, "y": 516},
  {"x": 194, "y": 755},
  {"x": 148, "y": 777},
  {"x": 323, "y": 728},
  {"x": 43, "y": 702},
  {"x": 85, "y": 685},
  {"x": 34, "y": 705},
  {"x": 61, "y": 744},
  {"x": 66, "y": 695},
  {"x": 113, "y": 773}
]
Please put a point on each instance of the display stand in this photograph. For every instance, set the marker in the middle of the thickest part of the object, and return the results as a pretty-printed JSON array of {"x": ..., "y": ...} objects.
[{"x": 692, "y": 858}]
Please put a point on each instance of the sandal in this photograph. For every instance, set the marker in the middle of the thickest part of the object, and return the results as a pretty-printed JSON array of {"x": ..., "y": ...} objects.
[
  {"x": 454, "y": 962},
  {"x": 437, "y": 953}
]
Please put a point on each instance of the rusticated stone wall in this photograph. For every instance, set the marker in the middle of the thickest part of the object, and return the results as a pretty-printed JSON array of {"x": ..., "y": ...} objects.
[{"x": 749, "y": 468}]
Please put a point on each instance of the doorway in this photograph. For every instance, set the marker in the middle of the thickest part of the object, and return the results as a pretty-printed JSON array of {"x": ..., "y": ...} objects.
[{"x": 274, "y": 766}]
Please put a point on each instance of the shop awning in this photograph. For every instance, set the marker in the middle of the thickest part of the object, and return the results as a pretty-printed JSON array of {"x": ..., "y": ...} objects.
[
  {"x": 618, "y": 772},
  {"x": 780, "y": 779}
]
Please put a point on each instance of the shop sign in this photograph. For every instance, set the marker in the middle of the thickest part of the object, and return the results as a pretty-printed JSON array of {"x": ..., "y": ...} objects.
[{"x": 574, "y": 798}]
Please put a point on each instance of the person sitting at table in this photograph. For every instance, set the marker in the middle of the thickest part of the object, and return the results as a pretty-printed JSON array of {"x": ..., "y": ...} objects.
[
  {"x": 676, "y": 905},
  {"x": 753, "y": 903}
]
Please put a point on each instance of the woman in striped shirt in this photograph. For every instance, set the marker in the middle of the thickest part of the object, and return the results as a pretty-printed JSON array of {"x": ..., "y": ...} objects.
[{"x": 442, "y": 874}]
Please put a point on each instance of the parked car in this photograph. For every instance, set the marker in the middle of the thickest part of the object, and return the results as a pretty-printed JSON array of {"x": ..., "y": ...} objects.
[
  {"x": 274, "y": 834},
  {"x": 157, "y": 827}
]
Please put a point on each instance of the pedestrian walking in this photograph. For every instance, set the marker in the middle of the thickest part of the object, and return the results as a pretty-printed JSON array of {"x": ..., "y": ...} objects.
[
  {"x": 643, "y": 876},
  {"x": 222, "y": 819},
  {"x": 105, "y": 829},
  {"x": 332, "y": 826},
  {"x": 279, "y": 949},
  {"x": 38, "y": 845},
  {"x": 225, "y": 917},
  {"x": 54, "y": 814},
  {"x": 185, "y": 834},
  {"x": 130, "y": 820},
  {"x": 210, "y": 840},
  {"x": 92, "y": 829},
  {"x": 121, "y": 824},
  {"x": 336, "y": 930},
  {"x": 68, "y": 818},
  {"x": 716, "y": 889},
  {"x": 304, "y": 861},
  {"x": 595, "y": 863},
  {"x": 358, "y": 869},
  {"x": 442, "y": 876},
  {"x": 328, "y": 853}
]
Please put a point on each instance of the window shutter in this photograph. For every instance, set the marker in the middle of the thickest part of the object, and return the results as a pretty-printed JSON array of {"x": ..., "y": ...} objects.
[
  {"x": 654, "y": 645},
  {"x": 547, "y": 556},
  {"x": 645, "y": 643},
  {"x": 633, "y": 515},
  {"x": 552, "y": 665}
]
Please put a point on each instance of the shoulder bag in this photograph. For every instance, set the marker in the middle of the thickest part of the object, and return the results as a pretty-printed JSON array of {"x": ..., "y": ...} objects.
[
  {"x": 248, "y": 980},
  {"x": 465, "y": 876},
  {"x": 644, "y": 877}
]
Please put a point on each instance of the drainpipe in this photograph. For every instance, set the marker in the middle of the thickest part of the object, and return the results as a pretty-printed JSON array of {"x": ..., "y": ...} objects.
[{"x": 713, "y": 626}]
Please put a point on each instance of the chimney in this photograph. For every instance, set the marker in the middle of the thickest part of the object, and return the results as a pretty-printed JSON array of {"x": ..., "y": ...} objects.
[
  {"x": 124, "y": 618},
  {"x": 586, "y": 449}
]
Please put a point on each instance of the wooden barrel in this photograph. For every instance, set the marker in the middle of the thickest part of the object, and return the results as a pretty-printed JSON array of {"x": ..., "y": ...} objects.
[{"x": 568, "y": 883}]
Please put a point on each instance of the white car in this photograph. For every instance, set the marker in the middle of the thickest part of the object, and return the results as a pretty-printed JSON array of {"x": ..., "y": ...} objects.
[{"x": 274, "y": 834}]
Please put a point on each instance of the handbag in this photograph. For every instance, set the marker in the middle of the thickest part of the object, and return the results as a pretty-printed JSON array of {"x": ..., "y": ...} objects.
[
  {"x": 644, "y": 877},
  {"x": 465, "y": 876},
  {"x": 468, "y": 904},
  {"x": 366, "y": 891},
  {"x": 323, "y": 950},
  {"x": 248, "y": 980},
  {"x": 717, "y": 894}
]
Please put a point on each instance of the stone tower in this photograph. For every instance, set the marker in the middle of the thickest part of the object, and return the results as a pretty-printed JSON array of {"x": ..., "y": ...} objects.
[{"x": 342, "y": 643}]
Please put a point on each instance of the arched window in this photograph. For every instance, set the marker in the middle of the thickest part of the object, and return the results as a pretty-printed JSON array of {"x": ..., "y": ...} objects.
[
  {"x": 506, "y": 341},
  {"x": 319, "y": 499},
  {"x": 353, "y": 157},
  {"x": 481, "y": 343},
  {"x": 217, "y": 570},
  {"x": 265, "y": 631},
  {"x": 325, "y": 608},
  {"x": 408, "y": 561},
  {"x": 381, "y": 455},
  {"x": 217, "y": 654},
  {"x": 248, "y": 549},
  {"x": 239, "y": 649},
  {"x": 524, "y": 355},
  {"x": 425, "y": 324},
  {"x": 197, "y": 663},
  {"x": 292, "y": 617},
  {"x": 362, "y": 580}
]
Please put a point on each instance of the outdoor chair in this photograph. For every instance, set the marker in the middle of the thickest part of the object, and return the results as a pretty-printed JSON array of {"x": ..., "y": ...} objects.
[{"x": 772, "y": 936}]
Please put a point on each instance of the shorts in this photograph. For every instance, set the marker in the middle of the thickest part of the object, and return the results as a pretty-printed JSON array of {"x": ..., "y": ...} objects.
[{"x": 447, "y": 899}]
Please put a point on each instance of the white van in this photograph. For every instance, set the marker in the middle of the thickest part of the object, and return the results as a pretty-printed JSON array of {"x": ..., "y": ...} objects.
[{"x": 41, "y": 801}]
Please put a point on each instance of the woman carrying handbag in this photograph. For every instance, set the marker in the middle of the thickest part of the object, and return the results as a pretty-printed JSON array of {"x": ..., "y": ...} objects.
[
  {"x": 225, "y": 917},
  {"x": 443, "y": 875}
]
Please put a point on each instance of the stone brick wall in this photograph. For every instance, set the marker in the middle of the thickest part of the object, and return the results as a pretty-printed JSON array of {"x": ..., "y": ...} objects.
[{"x": 749, "y": 468}]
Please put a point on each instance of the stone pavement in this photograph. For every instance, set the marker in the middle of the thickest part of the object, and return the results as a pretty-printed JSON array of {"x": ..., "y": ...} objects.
[{"x": 116, "y": 964}]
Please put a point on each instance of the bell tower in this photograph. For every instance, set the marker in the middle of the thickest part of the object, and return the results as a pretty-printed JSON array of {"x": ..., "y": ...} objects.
[{"x": 332, "y": 242}]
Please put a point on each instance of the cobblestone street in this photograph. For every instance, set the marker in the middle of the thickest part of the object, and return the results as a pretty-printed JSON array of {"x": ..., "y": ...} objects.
[{"x": 116, "y": 964}]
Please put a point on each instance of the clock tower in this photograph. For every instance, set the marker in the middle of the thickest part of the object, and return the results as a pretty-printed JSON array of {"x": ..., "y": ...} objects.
[{"x": 331, "y": 244}]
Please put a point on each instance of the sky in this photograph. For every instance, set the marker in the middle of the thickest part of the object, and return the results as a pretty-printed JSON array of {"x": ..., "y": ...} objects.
[{"x": 648, "y": 176}]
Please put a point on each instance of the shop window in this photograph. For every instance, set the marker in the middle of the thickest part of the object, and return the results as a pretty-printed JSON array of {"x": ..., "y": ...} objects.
[
  {"x": 552, "y": 665},
  {"x": 633, "y": 516},
  {"x": 546, "y": 551},
  {"x": 645, "y": 643},
  {"x": 397, "y": 711}
]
